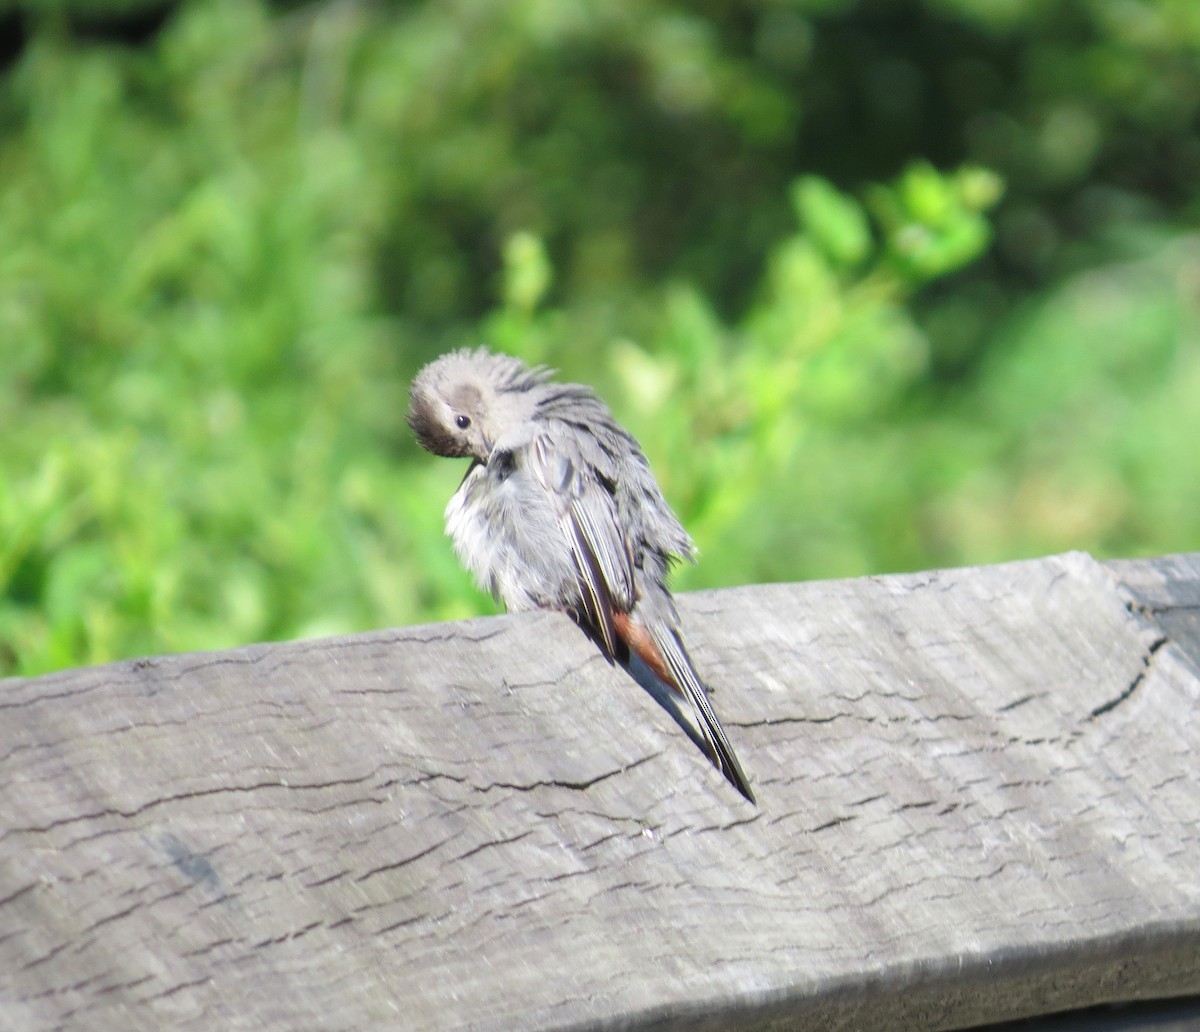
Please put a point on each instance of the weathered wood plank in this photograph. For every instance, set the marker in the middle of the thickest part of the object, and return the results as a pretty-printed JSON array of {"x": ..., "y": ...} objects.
[{"x": 978, "y": 801}]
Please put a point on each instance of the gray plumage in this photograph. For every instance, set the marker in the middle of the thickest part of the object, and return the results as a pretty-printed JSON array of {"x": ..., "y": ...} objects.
[{"x": 559, "y": 510}]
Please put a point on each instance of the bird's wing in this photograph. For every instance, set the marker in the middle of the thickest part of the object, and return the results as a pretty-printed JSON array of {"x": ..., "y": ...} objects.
[{"x": 587, "y": 515}]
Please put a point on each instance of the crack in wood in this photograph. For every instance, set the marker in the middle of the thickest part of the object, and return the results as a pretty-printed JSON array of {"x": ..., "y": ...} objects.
[
  {"x": 151, "y": 804},
  {"x": 574, "y": 786},
  {"x": 1115, "y": 701}
]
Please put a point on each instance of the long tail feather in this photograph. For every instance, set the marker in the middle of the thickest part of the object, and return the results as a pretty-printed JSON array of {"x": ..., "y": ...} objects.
[
  {"x": 663, "y": 652},
  {"x": 688, "y": 681}
]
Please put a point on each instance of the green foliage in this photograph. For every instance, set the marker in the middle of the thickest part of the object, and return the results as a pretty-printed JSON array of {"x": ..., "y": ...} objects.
[{"x": 227, "y": 242}]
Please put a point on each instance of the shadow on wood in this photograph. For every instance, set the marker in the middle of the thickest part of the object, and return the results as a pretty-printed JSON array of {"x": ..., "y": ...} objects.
[{"x": 978, "y": 801}]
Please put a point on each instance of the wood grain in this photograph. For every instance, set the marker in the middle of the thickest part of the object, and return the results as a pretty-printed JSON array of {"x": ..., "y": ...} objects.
[{"x": 978, "y": 801}]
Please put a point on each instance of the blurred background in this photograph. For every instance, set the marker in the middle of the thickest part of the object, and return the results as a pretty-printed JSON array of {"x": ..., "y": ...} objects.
[{"x": 880, "y": 286}]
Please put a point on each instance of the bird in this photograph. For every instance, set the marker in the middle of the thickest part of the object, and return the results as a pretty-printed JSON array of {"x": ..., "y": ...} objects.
[{"x": 560, "y": 510}]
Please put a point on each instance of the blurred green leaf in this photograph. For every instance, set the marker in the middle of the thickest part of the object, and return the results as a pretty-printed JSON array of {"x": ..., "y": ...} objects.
[
  {"x": 835, "y": 222},
  {"x": 527, "y": 272}
]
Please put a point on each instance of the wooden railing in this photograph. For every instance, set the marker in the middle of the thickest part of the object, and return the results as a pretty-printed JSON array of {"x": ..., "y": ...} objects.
[{"x": 978, "y": 800}]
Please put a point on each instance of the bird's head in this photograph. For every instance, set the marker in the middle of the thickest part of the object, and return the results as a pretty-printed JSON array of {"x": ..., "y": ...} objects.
[{"x": 463, "y": 402}]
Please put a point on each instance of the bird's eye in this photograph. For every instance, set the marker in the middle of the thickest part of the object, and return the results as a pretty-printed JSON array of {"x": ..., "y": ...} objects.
[{"x": 462, "y": 422}]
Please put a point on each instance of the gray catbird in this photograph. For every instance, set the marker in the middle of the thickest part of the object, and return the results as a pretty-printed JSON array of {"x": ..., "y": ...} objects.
[{"x": 559, "y": 510}]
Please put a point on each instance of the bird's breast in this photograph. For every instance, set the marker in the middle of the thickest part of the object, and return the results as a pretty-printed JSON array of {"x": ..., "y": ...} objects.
[{"x": 505, "y": 531}]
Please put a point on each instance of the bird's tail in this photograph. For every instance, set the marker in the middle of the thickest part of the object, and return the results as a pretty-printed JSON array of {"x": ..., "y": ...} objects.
[{"x": 661, "y": 649}]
